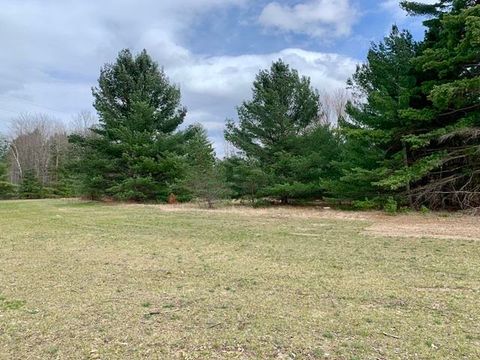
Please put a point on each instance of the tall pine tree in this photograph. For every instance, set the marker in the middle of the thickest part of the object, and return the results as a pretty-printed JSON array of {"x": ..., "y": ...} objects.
[
  {"x": 280, "y": 131},
  {"x": 373, "y": 131},
  {"x": 136, "y": 151},
  {"x": 444, "y": 139},
  {"x": 205, "y": 178}
]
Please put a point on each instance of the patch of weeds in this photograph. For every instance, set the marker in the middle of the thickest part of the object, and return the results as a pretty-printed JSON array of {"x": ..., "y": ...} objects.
[
  {"x": 52, "y": 350},
  {"x": 405, "y": 210},
  {"x": 11, "y": 304},
  {"x": 81, "y": 204},
  {"x": 366, "y": 204},
  {"x": 358, "y": 346},
  {"x": 146, "y": 304},
  {"x": 424, "y": 209},
  {"x": 318, "y": 352},
  {"x": 328, "y": 335},
  {"x": 168, "y": 306},
  {"x": 175, "y": 317},
  {"x": 364, "y": 333}
]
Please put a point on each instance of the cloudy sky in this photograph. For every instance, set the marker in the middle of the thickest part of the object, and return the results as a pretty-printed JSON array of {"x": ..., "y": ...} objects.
[{"x": 53, "y": 49}]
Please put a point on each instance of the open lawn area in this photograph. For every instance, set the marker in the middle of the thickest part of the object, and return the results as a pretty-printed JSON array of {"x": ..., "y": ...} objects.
[{"x": 82, "y": 280}]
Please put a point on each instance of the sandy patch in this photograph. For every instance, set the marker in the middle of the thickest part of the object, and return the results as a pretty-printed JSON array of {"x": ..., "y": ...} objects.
[{"x": 432, "y": 225}]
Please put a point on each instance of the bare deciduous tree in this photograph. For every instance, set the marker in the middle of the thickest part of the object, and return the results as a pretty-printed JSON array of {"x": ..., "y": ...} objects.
[
  {"x": 83, "y": 122},
  {"x": 334, "y": 105},
  {"x": 37, "y": 143}
]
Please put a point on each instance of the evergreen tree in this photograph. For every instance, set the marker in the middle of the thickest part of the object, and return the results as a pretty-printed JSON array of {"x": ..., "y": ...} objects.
[
  {"x": 417, "y": 134},
  {"x": 276, "y": 131},
  {"x": 444, "y": 139},
  {"x": 374, "y": 128},
  {"x": 136, "y": 151},
  {"x": 204, "y": 177},
  {"x": 6, "y": 188},
  {"x": 30, "y": 187},
  {"x": 244, "y": 177}
]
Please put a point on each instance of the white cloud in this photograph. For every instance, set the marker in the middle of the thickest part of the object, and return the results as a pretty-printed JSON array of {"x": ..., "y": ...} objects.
[
  {"x": 213, "y": 86},
  {"x": 318, "y": 18},
  {"x": 56, "y": 48}
]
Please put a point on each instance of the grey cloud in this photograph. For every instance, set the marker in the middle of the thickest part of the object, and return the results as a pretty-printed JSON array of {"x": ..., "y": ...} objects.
[{"x": 56, "y": 48}]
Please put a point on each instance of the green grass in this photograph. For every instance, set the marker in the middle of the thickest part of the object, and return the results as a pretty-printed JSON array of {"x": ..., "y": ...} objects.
[{"x": 91, "y": 280}]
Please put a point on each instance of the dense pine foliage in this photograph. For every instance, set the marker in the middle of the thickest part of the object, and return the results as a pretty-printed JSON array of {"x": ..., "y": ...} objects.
[
  {"x": 137, "y": 151},
  {"x": 408, "y": 136},
  {"x": 281, "y": 133}
]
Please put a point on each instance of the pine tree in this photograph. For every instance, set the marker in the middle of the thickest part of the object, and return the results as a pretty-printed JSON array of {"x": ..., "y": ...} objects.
[
  {"x": 274, "y": 129},
  {"x": 136, "y": 151},
  {"x": 30, "y": 187},
  {"x": 444, "y": 139},
  {"x": 244, "y": 177},
  {"x": 374, "y": 128},
  {"x": 204, "y": 177}
]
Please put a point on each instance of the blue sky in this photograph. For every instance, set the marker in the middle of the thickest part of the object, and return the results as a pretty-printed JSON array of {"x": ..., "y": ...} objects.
[{"x": 53, "y": 49}]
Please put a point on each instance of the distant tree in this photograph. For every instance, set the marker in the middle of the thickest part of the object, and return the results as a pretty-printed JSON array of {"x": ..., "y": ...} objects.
[
  {"x": 38, "y": 145},
  {"x": 6, "y": 188},
  {"x": 244, "y": 177},
  {"x": 4, "y": 146},
  {"x": 274, "y": 131},
  {"x": 204, "y": 176},
  {"x": 334, "y": 104},
  {"x": 30, "y": 187},
  {"x": 83, "y": 123},
  {"x": 136, "y": 152}
]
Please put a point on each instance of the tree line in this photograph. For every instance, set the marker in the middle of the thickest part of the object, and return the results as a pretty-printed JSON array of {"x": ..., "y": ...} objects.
[{"x": 405, "y": 133}]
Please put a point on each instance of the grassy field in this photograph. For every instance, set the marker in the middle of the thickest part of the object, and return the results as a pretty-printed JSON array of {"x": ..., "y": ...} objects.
[{"x": 94, "y": 281}]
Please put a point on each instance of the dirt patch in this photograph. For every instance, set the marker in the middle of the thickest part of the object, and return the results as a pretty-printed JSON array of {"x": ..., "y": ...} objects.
[
  {"x": 433, "y": 225},
  {"x": 430, "y": 226}
]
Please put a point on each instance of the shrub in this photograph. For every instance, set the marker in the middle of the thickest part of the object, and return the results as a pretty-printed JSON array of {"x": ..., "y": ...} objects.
[
  {"x": 391, "y": 206},
  {"x": 424, "y": 209},
  {"x": 366, "y": 204}
]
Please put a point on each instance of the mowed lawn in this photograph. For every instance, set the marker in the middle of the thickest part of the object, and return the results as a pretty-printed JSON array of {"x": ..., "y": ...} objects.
[{"x": 81, "y": 280}]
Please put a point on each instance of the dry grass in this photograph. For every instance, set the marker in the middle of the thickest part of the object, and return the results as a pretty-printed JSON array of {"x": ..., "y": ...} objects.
[{"x": 83, "y": 280}]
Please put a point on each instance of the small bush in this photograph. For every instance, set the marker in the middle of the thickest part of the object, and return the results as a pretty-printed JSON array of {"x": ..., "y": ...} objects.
[
  {"x": 391, "y": 206},
  {"x": 366, "y": 204},
  {"x": 424, "y": 209}
]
